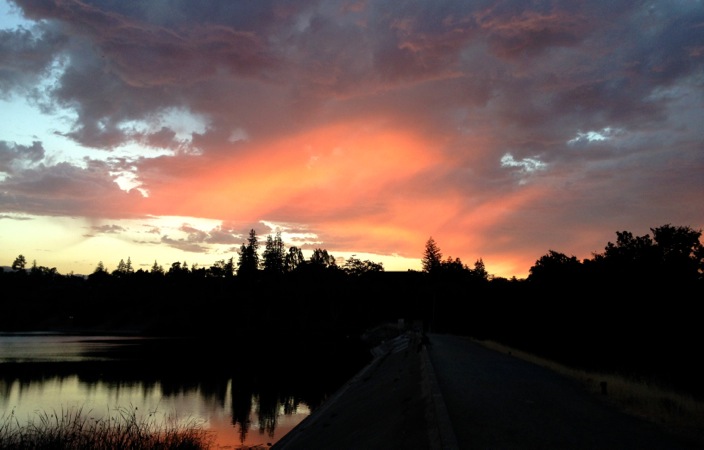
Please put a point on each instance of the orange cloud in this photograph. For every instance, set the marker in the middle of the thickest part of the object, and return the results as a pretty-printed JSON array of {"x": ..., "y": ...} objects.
[{"x": 340, "y": 169}]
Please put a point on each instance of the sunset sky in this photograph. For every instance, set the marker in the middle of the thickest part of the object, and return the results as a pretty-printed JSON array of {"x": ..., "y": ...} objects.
[{"x": 166, "y": 130}]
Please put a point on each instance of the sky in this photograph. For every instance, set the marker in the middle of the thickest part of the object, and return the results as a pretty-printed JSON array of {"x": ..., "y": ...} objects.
[{"x": 166, "y": 130}]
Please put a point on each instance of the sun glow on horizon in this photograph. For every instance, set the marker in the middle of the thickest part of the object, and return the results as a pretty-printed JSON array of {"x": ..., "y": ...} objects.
[{"x": 51, "y": 242}]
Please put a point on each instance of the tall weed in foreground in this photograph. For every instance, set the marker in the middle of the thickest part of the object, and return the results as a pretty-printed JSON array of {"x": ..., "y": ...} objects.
[{"x": 122, "y": 428}]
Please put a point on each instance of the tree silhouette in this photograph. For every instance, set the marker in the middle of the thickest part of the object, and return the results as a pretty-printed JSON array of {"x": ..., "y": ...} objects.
[
  {"x": 432, "y": 257},
  {"x": 355, "y": 266},
  {"x": 230, "y": 268},
  {"x": 479, "y": 271},
  {"x": 452, "y": 266},
  {"x": 554, "y": 267},
  {"x": 630, "y": 248},
  {"x": 156, "y": 269},
  {"x": 42, "y": 272},
  {"x": 294, "y": 258},
  {"x": 178, "y": 270},
  {"x": 321, "y": 258},
  {"x": 100, "y": 273},
  {"x": 221, "y": 269},
  {"x": 680, "y": 252},
  {"x": 19, "y": 263},
  {"x": 674, "y": 256},
  {"x": 274, "y": 254},
  {"x": 124, "y": 268},
  {"x": 248, "y": 263}
]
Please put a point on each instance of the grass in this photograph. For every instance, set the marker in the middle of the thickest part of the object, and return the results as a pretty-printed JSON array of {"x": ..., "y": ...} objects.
[
  {"x": 678, "y": 413},
  {"x": 122, "y": 428}
]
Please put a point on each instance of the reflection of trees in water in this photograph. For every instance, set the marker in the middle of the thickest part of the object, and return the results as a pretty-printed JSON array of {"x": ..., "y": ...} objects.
[
  {"x": 268, "y": 408},
  {"x": 257, "y": 397},
  {"x": 5, "y": 389},
  {"x": 267, "y": 412},
  {"x": 266, "y": 404},
  {"x": 241, "y": 397}
]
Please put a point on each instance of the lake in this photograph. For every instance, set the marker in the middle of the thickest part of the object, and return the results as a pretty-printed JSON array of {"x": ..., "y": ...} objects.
[{"x": 249, "y": 391}]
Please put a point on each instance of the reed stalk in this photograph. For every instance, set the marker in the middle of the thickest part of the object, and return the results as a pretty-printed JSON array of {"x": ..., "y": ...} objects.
[{"x": 122, "y": 428}]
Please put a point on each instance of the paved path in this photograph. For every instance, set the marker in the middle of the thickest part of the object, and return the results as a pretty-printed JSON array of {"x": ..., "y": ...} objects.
[
  {"x": 382, "y": 407},
  {"x": 495, "y": 401},
  {"x": 455, "y": 394}
]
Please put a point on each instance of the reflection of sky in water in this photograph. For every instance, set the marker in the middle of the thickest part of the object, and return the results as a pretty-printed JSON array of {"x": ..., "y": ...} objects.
[
  {"x": 57, "y": 348},
  {"x": 95, "y": 399}
]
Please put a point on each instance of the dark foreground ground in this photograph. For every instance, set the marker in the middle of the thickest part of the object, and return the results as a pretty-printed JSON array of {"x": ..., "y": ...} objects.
[{"x": 455, "y": 394}]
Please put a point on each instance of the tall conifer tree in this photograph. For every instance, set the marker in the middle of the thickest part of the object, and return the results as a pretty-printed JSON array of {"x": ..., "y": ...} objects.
[{"x": 432, "y": 257}]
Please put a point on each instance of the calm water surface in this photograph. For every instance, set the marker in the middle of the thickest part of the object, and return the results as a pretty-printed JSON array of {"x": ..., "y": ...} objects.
[{"x": 246, "y": 393}]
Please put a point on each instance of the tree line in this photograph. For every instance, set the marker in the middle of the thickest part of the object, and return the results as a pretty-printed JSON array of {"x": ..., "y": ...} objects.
[
  {"x": 625, "y": 308},
  {"x": 274, "y": 260},
  {"x": 261, "y": 289},
  {"x": 673, "y": 254}
]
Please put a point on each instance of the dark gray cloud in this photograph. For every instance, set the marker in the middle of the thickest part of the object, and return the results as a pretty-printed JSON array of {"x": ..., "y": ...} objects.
[
  {"x": 199, "y": 241},
  {"x": 14, "y": 156},
  {"x": 221, "y": 235},
  {"x": 108, "y": 229},
  {"x": 65, "y": 189},
  {"x": 184, "y": 244},
  {"x": 26, "y": 57},
  {"x": 537, "y": 62},
  {"x": 104, "y": 229}
]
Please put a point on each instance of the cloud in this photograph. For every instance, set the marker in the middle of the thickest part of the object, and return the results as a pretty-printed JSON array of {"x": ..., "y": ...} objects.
[
  {"x": 108, "y": 229},
  {"x": 220, "y": 235},
  {"x": 193, "y": 233},
  {"x": 143, "y": 60},
  {"x": 199, "y": 241},
  {"x": 584, "y": 138},
  {"x": 516, "y": 32},
  {"x": 124, "y": 67},
  {"x": 525, "y": 165},
  {"x": 66, "y": 189},
  {"x": 184, "y": 244},
  {"x": 13, "y": 217},
  {"x": 370, "y": 125},
  {"x": 14, "y": 156},
  {"x": 145, "y": 54},
  {"x": 152, "y": 229},
  {"x": 26, "y": 58}
]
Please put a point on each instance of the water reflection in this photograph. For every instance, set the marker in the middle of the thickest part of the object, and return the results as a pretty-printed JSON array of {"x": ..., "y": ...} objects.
[
  {"x": 244, "y": 400},
  {"x": 51, "y": 347}
]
